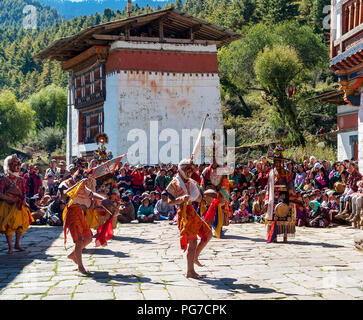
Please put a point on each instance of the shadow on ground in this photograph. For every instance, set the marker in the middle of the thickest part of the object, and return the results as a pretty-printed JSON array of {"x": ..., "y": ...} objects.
[
  {"x": 299, "y": 243},
  {"x": 36, "y": 240},
  {"x": 131, "y": 239},
  {"x": 119, "y": 279},
  {"x": 230, "y": 285},
  {"x": 106, "y": 252}
]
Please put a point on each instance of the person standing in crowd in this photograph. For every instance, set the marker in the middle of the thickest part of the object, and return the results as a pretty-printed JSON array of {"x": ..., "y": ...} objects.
[
  {"x": 161, "y": 181},
  {"x": 300, "y": 177},
  {"x": 137, "y": 178},
  {"x": 50, "y": 176},
  {"x": 124, "y": 179},
  {"x": 62, "y": 172},
  {"x": 149, "y": 179},
  {"x": 32, "y": 181}
]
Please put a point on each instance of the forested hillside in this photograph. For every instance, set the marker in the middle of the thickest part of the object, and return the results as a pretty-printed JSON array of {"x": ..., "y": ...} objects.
[{"x": 266, "y": 77}]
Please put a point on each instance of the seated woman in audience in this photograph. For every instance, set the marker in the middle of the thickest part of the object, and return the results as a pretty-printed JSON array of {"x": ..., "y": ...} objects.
[{"x": 145, "y": 213}]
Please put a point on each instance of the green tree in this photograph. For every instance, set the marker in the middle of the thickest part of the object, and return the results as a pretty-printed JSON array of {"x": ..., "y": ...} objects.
[
  {"x": 50, "y": 106},
  {"x": 277, "y": 70},
  {"x": 15, "y": 120},
  {"x": 275, "y": 11}
]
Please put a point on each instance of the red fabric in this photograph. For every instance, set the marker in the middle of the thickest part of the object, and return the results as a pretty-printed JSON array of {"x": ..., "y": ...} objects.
[
  {"x": 196, "y": 177},
  {"x": 273, "y": 233},
  {"x": 210, "y": 214},
  {"x": 104, "y": 233},
  {"x": 137, "y": 178},
  {"x": 36, "y": 180}
]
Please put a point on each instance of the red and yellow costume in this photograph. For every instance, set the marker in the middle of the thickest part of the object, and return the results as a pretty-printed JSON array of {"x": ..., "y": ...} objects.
[
  {"x": 219, "y": 212},
  {"x": 14, "y": 217},
  {"x": 190, "y": 224},
  {"x": 74, "y": 219}
]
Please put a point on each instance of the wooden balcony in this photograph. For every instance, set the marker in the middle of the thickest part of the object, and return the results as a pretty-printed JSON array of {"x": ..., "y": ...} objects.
[
  {"x": 352, "y": 28},
  {"x": 352, "y": 13}
]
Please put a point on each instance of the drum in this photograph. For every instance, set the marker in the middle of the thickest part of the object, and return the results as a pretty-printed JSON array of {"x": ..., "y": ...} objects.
[{"x": 282, "y": 210}]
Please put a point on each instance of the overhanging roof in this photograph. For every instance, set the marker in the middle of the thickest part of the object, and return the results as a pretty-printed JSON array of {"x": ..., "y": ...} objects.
[
  {"x": 174, "y": 22},
  {"x": 332, "y": 96}
]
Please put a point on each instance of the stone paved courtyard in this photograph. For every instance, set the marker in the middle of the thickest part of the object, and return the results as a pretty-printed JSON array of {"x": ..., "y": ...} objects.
[{"x": 144, "y": 261}]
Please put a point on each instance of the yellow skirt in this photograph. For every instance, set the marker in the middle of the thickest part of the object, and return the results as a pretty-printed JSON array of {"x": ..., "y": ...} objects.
[
  {"x": 92, "y": 218},
  {"x": 13, "y": 220}
]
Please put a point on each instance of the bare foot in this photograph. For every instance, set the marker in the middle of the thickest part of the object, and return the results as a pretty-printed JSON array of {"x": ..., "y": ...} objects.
[
  {"x": 83, "y": 270},
  {"x": 194, "y": 275},
  {"x": 72, "y": 257},
  {"x": 196, "y": 261},
  {"x": 10, "y": 251},
  {"x": 19, "y": 248}
]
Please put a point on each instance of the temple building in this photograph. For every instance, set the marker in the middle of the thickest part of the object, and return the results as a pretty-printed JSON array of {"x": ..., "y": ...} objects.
[
  {"x": 155, "y": 73},
  {"x": 346, "y": 45},
  {"x": 347, "y": 124}
]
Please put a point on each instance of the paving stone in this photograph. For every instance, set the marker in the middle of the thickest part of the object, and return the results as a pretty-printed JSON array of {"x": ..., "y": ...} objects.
[
  {"x": 141, "y": 262},
  {"x": 57, "y": 297},
  {"x": 93, "y": 296}
]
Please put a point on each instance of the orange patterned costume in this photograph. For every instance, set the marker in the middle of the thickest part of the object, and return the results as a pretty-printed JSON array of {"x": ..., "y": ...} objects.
[
  {"x": 75, "y": 222},
  {"x": 14, "y": 218},
  {"x": 190, "y": 224},
  {"x": 74, "y": 218}
]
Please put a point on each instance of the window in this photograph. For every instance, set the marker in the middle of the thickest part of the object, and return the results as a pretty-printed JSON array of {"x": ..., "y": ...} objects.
[
  {"x": 89, "y": 87},
  {"x": 91, "y": 123}
]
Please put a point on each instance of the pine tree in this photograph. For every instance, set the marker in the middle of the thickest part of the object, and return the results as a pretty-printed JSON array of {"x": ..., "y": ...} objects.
[{"x": 275, "y": 11}]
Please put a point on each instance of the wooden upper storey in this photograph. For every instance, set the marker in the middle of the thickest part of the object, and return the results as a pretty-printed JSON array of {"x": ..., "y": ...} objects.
[{"x": 168, "y": 25}]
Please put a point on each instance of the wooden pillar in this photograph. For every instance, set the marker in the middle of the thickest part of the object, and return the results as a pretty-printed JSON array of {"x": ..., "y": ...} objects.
[
  {"x": 350, "y": 18},
  {"x": 360, "y": 12},
  {"x": 161, "y": 30},
  {"x": 356, "y": 13},
  {"x": 345, "y": 20},
  {"x": 191, "y": 34},
  {"x": 127, "y": 32}
]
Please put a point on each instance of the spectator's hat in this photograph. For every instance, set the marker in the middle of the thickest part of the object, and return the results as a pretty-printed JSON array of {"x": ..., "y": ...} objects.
[
  {"x": 62, "y": 163},
  {"x": 317, "y": 165},
  {"x": 164, "y": 193},
  {"x": 145, "y": 194},
  {"x": 53, "y": 160},
  {"x": 210, "y": 193}
]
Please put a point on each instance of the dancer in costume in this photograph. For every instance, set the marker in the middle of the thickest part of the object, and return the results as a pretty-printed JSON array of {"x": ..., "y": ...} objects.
[
  {"x": 281, "y": 212},
  {"x": 82, "y": 198},
  {"x": 182, "y": 191},
  {"x": 15, "y": 216},
  {"x": 219, "y": 211}
]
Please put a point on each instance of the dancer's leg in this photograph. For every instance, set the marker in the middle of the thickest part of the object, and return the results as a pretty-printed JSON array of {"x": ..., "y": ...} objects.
[
  {"x": 9, "y": 239},
  {"x": 190, "y": 259},
  {"x": 200, "y": 247},
  {"x": 17, "y": 242}
]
